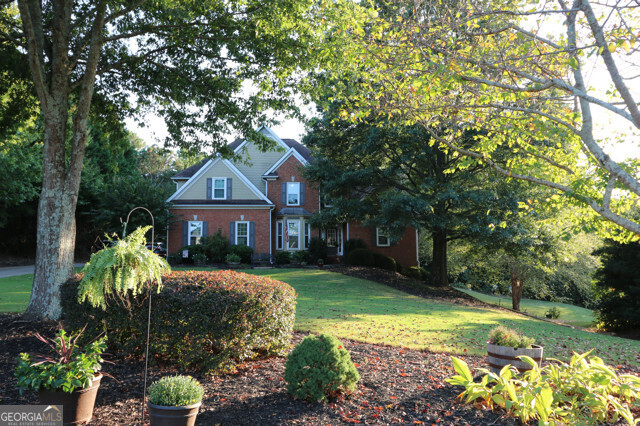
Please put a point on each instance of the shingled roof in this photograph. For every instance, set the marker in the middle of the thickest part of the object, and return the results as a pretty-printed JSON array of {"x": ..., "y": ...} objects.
[{"x": 291, "y": 143}]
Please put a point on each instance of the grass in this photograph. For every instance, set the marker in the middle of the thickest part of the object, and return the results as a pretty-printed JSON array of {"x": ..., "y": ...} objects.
[
  {"x": 15, "y": 293},
  {"x": 569, "y": 314},
  {"x": 366, "y": 311}
]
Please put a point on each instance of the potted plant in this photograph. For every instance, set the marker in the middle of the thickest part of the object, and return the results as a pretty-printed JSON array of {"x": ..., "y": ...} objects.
[
  {"x": 505, "y": 346},
  {"x": 175, "y": 401},
  {"x": 69, "y": 376},
  {"x": 233, "y": 260},
  {"x": 199, "y": 259},
  {"x": 320, "y": 263}
]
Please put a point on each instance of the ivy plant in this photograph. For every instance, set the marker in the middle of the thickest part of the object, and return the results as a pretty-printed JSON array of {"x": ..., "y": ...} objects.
[{"x": 126, "y": 266}]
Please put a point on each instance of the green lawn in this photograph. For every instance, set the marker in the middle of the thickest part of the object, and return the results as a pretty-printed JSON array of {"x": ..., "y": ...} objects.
[
  {"x": 362, "y": 310},
  {"x": 15, "y": 292},
  {"x": 569, "y": 314}
]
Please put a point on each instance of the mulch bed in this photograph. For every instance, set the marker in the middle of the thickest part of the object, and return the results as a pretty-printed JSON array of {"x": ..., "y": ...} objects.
[{"x": 398, "y": 385}]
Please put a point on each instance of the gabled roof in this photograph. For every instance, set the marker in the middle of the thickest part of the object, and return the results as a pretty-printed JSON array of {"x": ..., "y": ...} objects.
[
  {"x": 190, "y": 171},
  {"x": 291, "y": 152}
]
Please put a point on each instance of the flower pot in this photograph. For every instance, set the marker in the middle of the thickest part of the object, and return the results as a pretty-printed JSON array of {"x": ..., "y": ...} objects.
[
  {"x": 77, "y": 405},
  {"x": 161, "y": 415},
  {"x": 499, "y": 356}
]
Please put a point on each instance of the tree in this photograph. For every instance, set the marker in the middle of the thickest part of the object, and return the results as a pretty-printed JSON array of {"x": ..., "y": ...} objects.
[
  {"x": 518, "y": 73},
  {"x": 392, "y": 175},
  {"x": 189, "y": 60}
]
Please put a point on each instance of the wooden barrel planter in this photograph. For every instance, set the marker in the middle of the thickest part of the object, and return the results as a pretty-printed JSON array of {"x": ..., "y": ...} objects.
[{"x": 499, "y": 356}]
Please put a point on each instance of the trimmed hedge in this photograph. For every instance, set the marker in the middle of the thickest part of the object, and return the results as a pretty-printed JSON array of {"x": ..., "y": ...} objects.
[
  {"x": 360, "y": 257},
  {"x": 384, "y": 262},
  {"x": 207, "y": 320},
  {"x": 414, "y": 272}
]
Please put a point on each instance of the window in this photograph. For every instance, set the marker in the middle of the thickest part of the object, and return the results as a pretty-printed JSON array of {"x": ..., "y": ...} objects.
[
  {"x": 195, "y": 232},
  {"x": 279, "y": 234},
  {"x": 382, "y": 237},
  {"x": 293, "y": 193},
  {"x": 292, "y": 234},
  {"x": 219, "y": 188},
  {"x": 242, "y": 233},
  {"x": 307, "y": 234},
  {"x": 332, "y": 237}
]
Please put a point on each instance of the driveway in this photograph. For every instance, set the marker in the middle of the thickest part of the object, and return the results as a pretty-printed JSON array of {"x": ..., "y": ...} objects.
[{"x": 11, "y": 271}]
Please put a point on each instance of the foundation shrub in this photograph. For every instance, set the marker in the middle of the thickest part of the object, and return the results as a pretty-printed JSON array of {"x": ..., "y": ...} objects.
[
  {"x": 353, "y": 244},
  {"x": 215, "y": 247},
  {"x": 283, "y": 258},
  {"x": 360, "y": 257},
  {"x": 319, "y": 369},
  {"x": 205, "y": 320},
  {"x": 384, "y": 262},
  {"x": 245, "y": 252},
  {"x": 414, "y": 272},
  {"x": 317, "y": 249}
]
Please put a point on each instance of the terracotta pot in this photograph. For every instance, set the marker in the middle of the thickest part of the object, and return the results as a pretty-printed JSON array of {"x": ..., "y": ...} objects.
[
  {"x": 499, "y": 356},
  {"x": 77, "y": 405},
  {"x": 161, "y": 415}
]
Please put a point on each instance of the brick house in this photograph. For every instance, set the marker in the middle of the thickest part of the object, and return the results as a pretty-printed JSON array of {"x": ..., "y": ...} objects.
[{"x": 266, "y": 204}]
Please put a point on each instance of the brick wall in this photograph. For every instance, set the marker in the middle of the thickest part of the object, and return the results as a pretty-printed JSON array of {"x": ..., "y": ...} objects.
[
  {"x": 292, "y": 168},
  {"x": 403, "y": 251},
  {"x": 220, "y": 218}
]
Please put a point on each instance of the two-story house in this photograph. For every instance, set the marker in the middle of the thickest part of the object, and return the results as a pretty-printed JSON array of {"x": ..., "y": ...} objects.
[{"x": 266, "y": 204}]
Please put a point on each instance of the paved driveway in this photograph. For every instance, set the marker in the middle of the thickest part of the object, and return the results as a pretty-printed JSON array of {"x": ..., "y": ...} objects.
[{"x": 11, "y": 271}]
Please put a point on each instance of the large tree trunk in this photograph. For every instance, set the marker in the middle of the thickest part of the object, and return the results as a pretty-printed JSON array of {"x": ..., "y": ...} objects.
[
  {"x": 517, "y": 273},
  {"x": 439, "y": 275}
]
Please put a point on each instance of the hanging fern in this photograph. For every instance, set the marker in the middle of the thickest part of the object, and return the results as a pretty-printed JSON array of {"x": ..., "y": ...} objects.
[{"x": 126, "y": 266}]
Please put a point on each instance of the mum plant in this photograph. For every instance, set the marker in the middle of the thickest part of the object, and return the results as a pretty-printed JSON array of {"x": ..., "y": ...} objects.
[
  {"x": 68, "y": 368},
  {"x": 176, "y": 391}
]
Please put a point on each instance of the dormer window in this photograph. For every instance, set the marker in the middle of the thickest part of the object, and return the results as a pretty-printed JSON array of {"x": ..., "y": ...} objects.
[{"x": 293, "y": 193}]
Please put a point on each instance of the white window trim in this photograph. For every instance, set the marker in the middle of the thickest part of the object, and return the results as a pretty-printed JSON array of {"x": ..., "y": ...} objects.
[
  {"x": 299, "y": 242},
  {"x": 213, "y": 188},
  {"x": 201, "y": 230},
  {"x": 294, "y": 183},
  {"x": 381, "y": 232},
  {"x": 248, "y": 230},
  {"x": 307, "y": 235},
  {"x": 280, "y": 236}
]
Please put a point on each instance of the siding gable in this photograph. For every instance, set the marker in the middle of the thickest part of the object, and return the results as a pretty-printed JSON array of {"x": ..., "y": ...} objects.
[
  {"x": 259, "y": 163},
  {"x": 198, "y": 189}
]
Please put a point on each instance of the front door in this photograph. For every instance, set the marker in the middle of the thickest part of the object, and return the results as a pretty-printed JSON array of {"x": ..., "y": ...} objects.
[{"x": 334, "y": 240}]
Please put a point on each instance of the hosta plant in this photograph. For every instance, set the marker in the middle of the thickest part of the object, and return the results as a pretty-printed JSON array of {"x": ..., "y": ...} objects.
[
  {"x": 503, "y": 336},
  {"x": 584, "y": 391},
  {"x": 176, "y": 391},
  {"x": 319, "y": 369},
  {"x": 67, "y": 368}
]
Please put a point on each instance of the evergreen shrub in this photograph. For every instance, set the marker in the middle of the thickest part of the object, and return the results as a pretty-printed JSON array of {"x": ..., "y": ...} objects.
[
  {"x": 414, "y": 272},
  {"x": 384, "y": 262},
  {"x": 209, "y": 320},
  {"x": 215, "y": 247},
  {"x": 283, "y": 258},
  {"x": 245, "y": 252},
  {"x": 300, "y": 256},
  {"x": 319, "y": 369},
  {"x": 360, "y": 257},
  {"x": 176, "y": 391},
  {"x": 352, "y": 244},
  {"x": 317, "y": 249}
]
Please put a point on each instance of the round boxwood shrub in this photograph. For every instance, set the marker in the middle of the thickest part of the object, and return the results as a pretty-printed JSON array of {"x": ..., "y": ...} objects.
[
  {"x": 245, "y": 252},
  {"x": 319, "y": 368},
  {"x": 360, "y": 257},
  {"x": 414, "y": 272},
  {"x": 176, "y": 391},
  {"x": 209, "y": 320},
  {"x": 384, "y": 262},
  {"x": 283, "y": 258}
]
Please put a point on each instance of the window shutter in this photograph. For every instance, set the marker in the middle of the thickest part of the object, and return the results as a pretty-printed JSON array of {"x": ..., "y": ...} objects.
[
  {"x": 205, "y": 229},
  {"x": 284, "y": 193},
  {"x": 302, "y": 193},
  {"x": 374, "y": 237},
  {"x": 252, "y": 235},
  {"x": 232, "y": 233},
  {"x": 209, "y": 188},
  {"x": 229, "y": 186},
  {"x": 185, "y": 234}
]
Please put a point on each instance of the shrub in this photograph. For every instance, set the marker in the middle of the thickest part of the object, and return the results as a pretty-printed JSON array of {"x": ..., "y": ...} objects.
[
  {"x": 353, "y": 244},
  {"x": 584, "y": 391},
  {"x": 503, "y": 336},
  {"x": 232, "y": 258},
  {"x": 202, "y": 319},
  {"x": 194, "y": 249},
  {"x": 360, "y": 257},
  {"x": 384, "y": 262},
  {"x": 215, "y": 247},
  {"x": 175, "y": 259},
  {"x": 200, "y": 258},
  {"x": 414, "y": 272},
  {"x": 317, "y": 249},
  {"x": 319, "y": 368},
  {"x": 176, "y": 391},
  {"x": 283, "y": 258},
  {"x": 553, "y": 312},
  {"x": 245, "y": 252},
  {"x": 299, "y": 256}
]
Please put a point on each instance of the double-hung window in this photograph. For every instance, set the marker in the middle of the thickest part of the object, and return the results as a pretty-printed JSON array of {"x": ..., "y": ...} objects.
[
  {"x": 293, "y": 193},
  {"x": 382, "y": 237},
  {"x": 279, "y": 234},
  {"x": 195, "y": 232},
  {"x": 219, "y": 188},
  {"x": 242, "y": 233}
]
